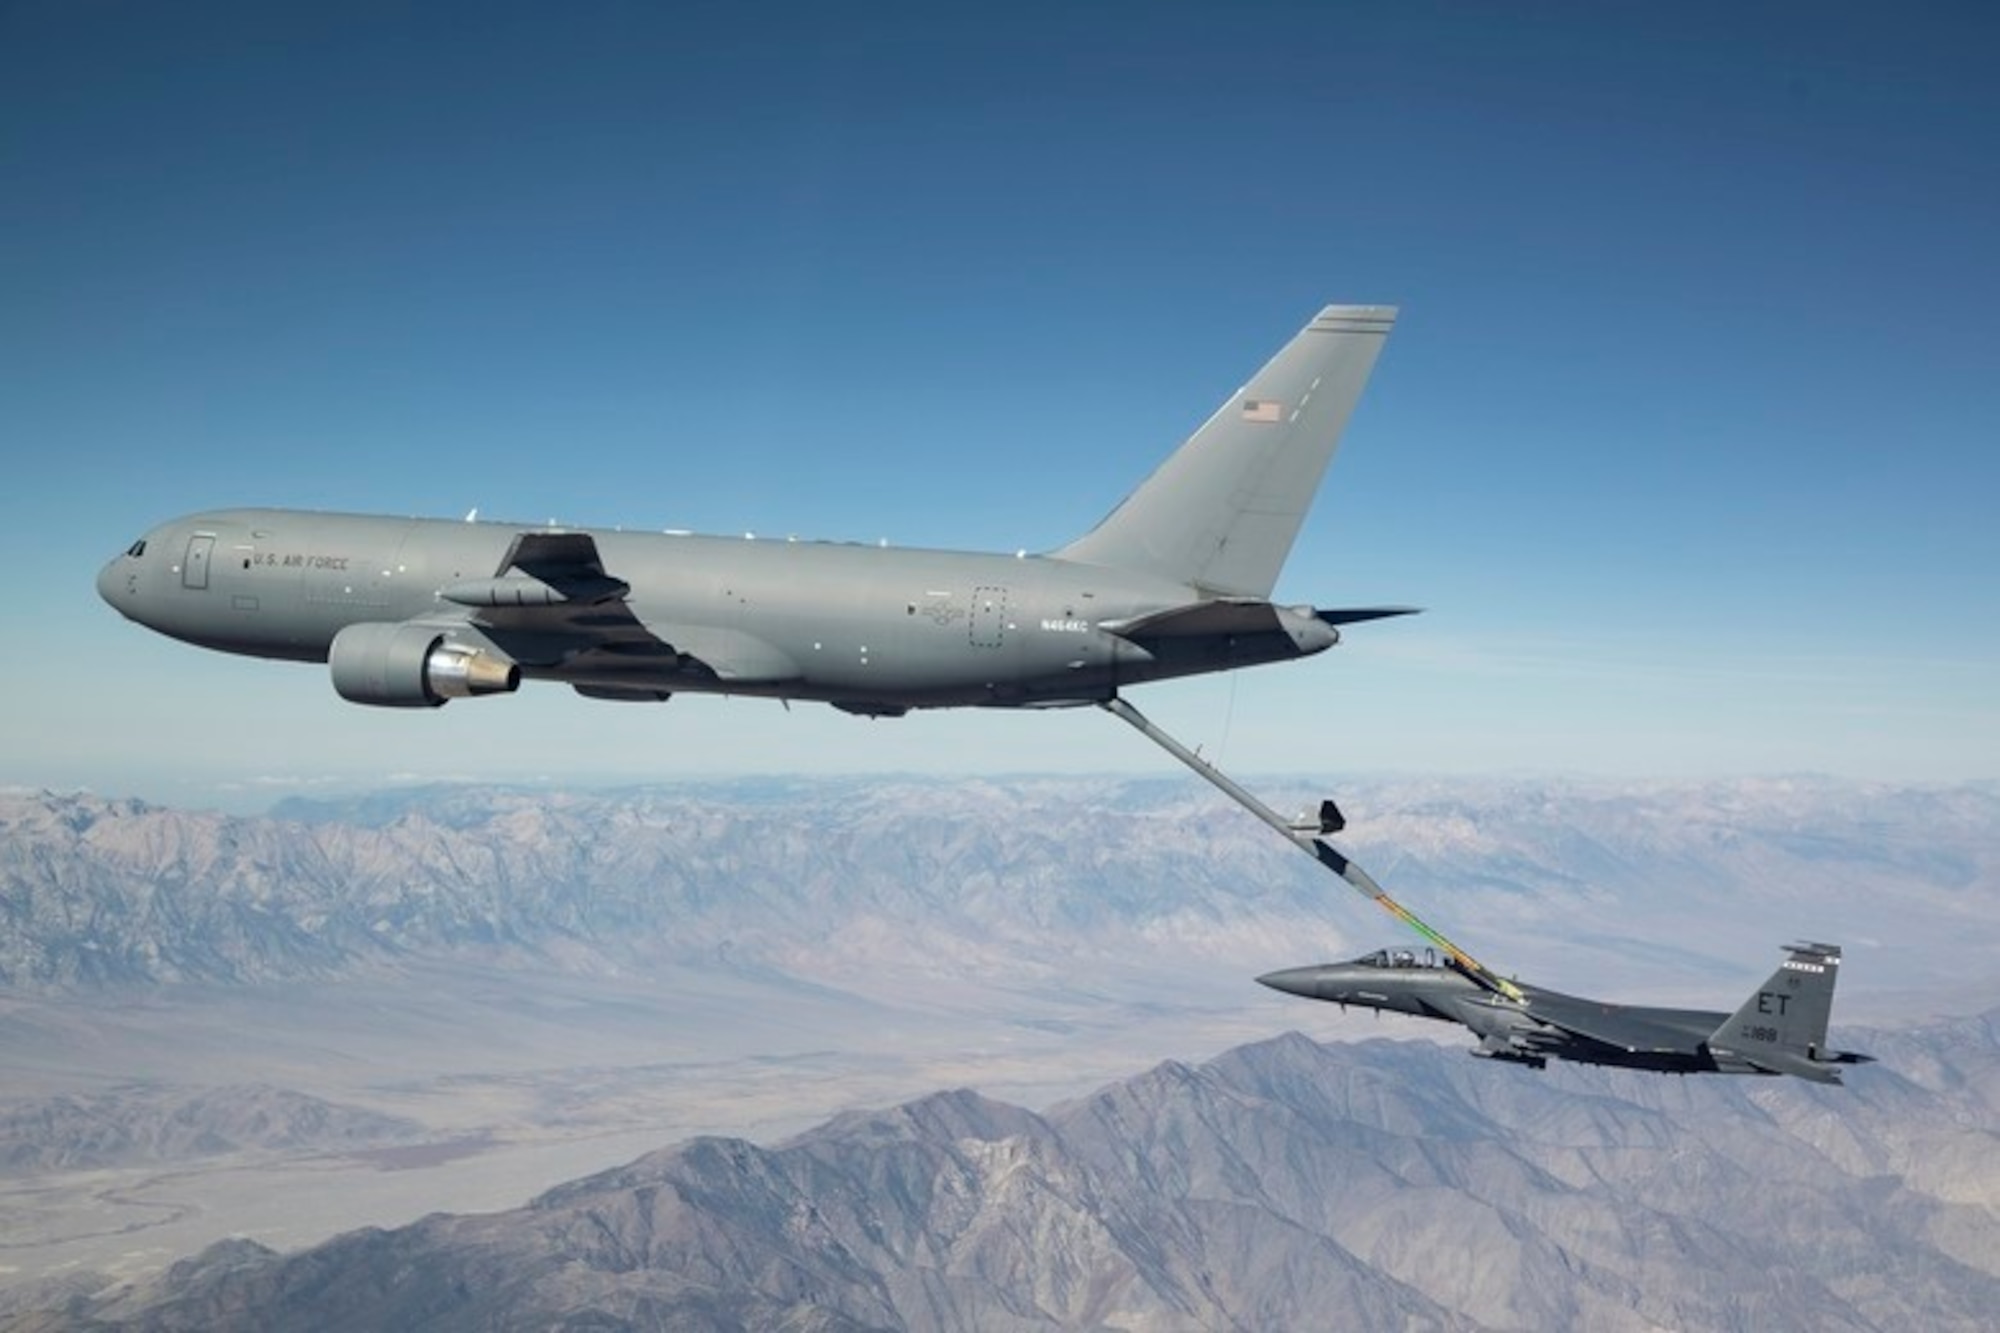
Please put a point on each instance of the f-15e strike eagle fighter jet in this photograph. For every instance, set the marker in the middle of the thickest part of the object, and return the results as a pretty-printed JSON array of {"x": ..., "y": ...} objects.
[
  {"x": 1781, "y": 1029},
  {"x": 1176, "y": 581}
]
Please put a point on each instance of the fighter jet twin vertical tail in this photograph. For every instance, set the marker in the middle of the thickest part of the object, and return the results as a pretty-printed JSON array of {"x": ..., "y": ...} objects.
[
  {"x": 1780, "y": 1029},
  {"x": 414, "y": 612}
]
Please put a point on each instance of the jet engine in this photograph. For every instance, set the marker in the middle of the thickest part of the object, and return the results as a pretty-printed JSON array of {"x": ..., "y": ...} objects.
[{"x": 411, "y": 666}]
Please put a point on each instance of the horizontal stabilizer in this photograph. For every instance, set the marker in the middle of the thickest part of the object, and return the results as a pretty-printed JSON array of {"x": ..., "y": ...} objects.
[
  {"x": 1225, "y": 618},
  {"x": 1355, "y": 615},
  {"x": 1200, "y": 620},
  {"x": 1800, "y": 1066},
  {"x": 1234, "y": 615}
]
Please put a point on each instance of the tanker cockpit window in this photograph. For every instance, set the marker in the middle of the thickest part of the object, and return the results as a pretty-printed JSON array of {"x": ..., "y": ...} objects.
[{"x": 136, "y": 549}]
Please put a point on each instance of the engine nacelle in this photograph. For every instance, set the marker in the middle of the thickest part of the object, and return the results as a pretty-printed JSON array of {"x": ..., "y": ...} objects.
[{"x": 411, "y": 666}]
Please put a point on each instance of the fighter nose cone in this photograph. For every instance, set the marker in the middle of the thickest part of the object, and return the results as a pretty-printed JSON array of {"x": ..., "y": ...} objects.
[{"x": 1301, "y": 981}]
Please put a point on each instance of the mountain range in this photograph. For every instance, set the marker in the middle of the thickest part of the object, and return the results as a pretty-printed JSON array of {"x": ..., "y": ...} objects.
[
  {"x": 282, "y": 1024},
  {"x": 146, "y": 1123},
  {"x": 836, "y": 881},
  {"x": 1283, "y": 1185}
]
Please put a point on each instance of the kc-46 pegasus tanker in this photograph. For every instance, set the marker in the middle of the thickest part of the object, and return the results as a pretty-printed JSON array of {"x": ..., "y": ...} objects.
[{"x": 1176, "y": 581}]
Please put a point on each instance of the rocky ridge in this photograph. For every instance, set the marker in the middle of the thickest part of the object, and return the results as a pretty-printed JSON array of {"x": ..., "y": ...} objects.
[
  {"x": 965, "y": 878},
  {"x": 150, "y": 1123},
  {"x": 1283, "y": 1185}
]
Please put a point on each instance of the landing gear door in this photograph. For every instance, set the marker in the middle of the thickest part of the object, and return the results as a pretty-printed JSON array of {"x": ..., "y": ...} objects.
[{"x": 194, "y": 569}]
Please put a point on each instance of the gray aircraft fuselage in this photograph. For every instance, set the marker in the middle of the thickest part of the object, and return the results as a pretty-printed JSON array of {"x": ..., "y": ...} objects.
[
  {"x": 412, "y": 612},
  {"x": 874, "y": 629},
  {"x": 1780, "y": 1029}
]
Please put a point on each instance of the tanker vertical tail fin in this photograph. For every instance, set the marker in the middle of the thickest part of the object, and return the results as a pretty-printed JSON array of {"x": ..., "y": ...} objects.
[{"x": 1222, "y": 512}]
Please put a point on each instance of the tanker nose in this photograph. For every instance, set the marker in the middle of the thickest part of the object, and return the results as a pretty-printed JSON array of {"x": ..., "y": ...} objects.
[
  {"x": 118, "y": 581},
  {"x": 112, "y": 584}
]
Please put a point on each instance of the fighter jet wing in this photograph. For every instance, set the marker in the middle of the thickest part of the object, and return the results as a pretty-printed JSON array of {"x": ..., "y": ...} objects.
[{"x": 1606, "y": 1024}]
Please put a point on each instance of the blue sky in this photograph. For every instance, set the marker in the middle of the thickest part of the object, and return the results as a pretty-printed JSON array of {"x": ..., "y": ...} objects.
[{"x": 1686, "y": 439}]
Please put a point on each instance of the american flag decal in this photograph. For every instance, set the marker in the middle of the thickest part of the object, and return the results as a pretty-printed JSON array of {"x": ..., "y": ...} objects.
[{"x": 1263, "y": 410}]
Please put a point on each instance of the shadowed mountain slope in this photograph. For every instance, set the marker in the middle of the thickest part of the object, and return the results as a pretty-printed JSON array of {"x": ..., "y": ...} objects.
[{"x": 1283, "y": 1185}]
